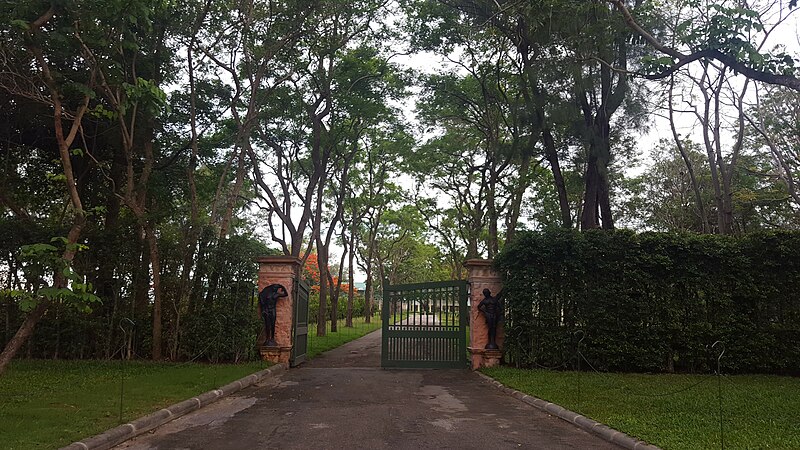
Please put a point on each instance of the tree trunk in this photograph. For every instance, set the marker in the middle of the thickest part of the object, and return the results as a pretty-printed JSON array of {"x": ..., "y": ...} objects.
[
  {"x": 155, "y": 264},
  {"x": 142, "y": 281},
  {"x": 711, "y": 154},
  {"x": 493, "y": 244},
  {"x": 591, "y": 195},
  {"x": 351, "y": 282},
  {"x": 227, "y": 216},
  {"x": 26, "y": 329},
  {"x": 518, "y": 196},
  {"x": 597, "y": 203},
  {"x": 335, "y": 289},
  {"x": 204, "y": 246},
  {"x": 472, "y": 249},
  {"x": 110, "y": 332},
  {"x": 213, "y": 273},
  {"x": 23, "y": 333},
  {"x": 712, "y": 164},
  {"x": 322, "y": 264},
  {"x": 558, "y": 178},
  {"x": 106, "y": 283},
  {"x": 698, "y": 198},
  {"x": 368, "y": 295},
  {"x": 192, "y": 233}
]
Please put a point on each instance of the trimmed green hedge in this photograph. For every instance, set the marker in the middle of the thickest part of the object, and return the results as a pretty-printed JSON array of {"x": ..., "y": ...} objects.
[{"x": 653, "y": 302}]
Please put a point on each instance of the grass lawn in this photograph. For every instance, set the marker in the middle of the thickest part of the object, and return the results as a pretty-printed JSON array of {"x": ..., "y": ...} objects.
[
  {"x": 759, "y": 411},
  {"x": 49, "y": 404},
  {"x": 319, "y": 344}
]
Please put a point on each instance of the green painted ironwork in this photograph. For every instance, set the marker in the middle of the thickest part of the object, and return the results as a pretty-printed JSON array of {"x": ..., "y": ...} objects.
[
  {"x": 424, "y": 325},
  {"x": 299, "y": 324}
]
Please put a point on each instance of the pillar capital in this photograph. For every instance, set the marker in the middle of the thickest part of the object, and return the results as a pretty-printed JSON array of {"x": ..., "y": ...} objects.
[
  {"x": 481, "y": 270},
  {"x": 279, "y": 264},
  {"x": 478, "y": 262}
]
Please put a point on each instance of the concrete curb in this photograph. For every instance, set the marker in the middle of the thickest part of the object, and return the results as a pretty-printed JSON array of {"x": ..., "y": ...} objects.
[
  {"x": 122, "y": 433},
  {"x": 592, "y": 426}
]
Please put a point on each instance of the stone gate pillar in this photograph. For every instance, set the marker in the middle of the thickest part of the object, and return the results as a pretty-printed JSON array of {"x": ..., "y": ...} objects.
[
  {"x": 282, "y": 270},
  {"x": 482, "y": 276}
]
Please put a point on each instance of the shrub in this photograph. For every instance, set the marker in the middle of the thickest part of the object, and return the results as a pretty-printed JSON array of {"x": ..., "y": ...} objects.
[
  {"x": 653, "y": 302},
  {"x": 358, "y": 306}
]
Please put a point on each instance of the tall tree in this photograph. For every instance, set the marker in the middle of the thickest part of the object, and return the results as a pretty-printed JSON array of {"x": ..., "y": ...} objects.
[
  {"x": 716, "y": 100},
  {"x": 776, "y": 119}
]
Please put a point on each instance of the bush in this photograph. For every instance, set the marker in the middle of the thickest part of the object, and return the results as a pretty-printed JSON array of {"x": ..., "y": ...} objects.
[
  {"x": 225, "y": 329},
  {"x": 358, "y": 306},
  {"x": 653, "y": 302}
]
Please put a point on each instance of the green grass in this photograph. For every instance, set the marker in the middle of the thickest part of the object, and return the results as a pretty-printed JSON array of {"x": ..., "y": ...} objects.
[
  {"x": 49, "y": 404},
  {"x": 759, "y": 411},
  {"x": 319, "y": 344}
]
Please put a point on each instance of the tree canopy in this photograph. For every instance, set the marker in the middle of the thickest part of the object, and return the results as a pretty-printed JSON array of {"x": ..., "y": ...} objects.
[{"x": 151, "y": 149}]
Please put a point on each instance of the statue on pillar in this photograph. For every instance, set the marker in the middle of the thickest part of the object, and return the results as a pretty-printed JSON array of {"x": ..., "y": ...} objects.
[
  {"x": 492, "y": 310},
  {"x": 268, "y": 301}
]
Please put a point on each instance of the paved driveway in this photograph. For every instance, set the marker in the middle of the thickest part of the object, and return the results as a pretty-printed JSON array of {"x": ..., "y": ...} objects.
[{"x": 343, "y": 399}]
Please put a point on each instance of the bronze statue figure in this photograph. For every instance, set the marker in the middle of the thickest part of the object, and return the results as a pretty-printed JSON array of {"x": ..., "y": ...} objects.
[
  {"x": 492, "y": 310},
  {"x": 268, "y": 301}
]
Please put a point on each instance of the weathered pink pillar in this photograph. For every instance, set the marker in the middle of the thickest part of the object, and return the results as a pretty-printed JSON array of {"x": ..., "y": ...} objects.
[
  {"x": 482, "y": 276},
  {"x": 282, "y": 270}
]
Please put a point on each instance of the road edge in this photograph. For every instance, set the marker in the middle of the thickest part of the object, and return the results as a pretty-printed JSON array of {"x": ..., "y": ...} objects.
[
  {"x": 122, "y": 433},
  {"x": 592, "y": 426}
]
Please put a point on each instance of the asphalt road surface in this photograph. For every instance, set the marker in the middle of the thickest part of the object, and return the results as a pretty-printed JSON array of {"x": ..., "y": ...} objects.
[{"x": 343, "y": 399}]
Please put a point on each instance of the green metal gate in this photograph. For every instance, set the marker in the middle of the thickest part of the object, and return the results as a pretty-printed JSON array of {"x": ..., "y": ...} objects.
[
  {"x": 300, "y": 324},
  {"x": 425, "y": 325}
]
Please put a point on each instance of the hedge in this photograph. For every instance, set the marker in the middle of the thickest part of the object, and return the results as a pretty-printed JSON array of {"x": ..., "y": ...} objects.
[{"x": 653, "y": 302}]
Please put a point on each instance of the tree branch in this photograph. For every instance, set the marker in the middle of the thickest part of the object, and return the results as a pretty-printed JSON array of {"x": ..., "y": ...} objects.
[{"x": 683, "y": 59}]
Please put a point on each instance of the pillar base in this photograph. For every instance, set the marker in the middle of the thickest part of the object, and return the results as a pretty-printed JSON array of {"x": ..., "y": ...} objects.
[
  {"x": 482, "y": 357},
  {"x": 276, "y": 355}
]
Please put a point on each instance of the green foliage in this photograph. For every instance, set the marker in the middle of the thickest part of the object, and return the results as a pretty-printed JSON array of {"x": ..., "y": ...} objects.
[
  {"x": 224, "y": 326},
  {"x": 224, "y": 329},
  {"x": 146, "y": 94},
  {"x": 39, "y": 261},
  {"x": 732, "y": 29},
  {"x": 358, "y": 305},
  {"x": 653, "y": 302},
  {"x": 656, "y": 64},
  {"x": 663, "y": 198}
]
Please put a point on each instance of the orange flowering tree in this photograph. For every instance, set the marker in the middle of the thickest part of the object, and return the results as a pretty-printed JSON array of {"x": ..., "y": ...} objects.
[{"x": 312, "y": 277}]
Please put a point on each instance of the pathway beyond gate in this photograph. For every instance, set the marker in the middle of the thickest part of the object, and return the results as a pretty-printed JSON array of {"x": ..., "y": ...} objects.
[{"x": 343, "y": 399}]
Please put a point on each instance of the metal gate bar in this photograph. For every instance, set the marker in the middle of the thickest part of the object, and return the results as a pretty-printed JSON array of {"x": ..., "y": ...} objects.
[
  {"x": 300, "y": 323},
  {"x": 424, "y": 325}
]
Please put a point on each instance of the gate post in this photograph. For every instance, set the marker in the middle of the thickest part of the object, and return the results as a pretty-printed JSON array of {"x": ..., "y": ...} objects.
[
  {"x": 283, "y": 270},
  {"x": 482, "y": 276}
]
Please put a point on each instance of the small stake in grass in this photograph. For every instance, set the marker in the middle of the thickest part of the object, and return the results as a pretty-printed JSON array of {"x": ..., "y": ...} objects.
[
  {"x": 719, "y": 392},
  {"x": 579, "y": 355},
  {"x": 216, "y": 345},
  {"x": 122, "y": 361}
]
